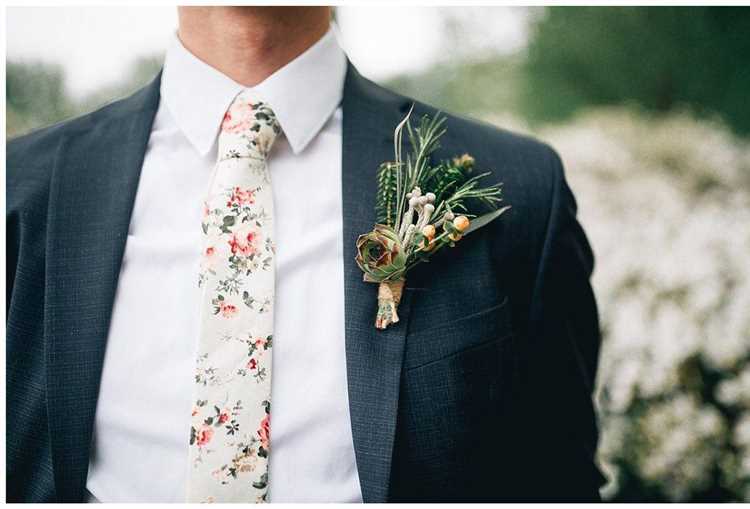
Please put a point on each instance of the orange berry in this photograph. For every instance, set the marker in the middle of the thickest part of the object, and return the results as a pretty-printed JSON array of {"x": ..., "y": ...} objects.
[
  {"x": 428, "y": 231},
  {"x": 461, "y": 223}
]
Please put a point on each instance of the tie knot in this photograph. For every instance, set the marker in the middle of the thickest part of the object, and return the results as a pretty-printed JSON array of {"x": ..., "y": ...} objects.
[{"x": 248, "y": 129}]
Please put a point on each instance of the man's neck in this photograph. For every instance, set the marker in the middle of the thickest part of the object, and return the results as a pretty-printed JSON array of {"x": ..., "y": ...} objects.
[{"x": 248, "y": 44}]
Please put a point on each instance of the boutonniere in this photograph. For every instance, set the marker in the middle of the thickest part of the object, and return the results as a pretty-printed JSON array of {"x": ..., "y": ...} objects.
[{"x": 420, "y": 209}]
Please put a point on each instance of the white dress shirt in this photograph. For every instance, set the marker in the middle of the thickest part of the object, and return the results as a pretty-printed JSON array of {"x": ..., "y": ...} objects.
[{"x": 141, "y": 431}]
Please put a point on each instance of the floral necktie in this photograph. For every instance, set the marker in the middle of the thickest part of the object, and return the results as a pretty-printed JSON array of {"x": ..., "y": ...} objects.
[{"x": 229, "y": 435}]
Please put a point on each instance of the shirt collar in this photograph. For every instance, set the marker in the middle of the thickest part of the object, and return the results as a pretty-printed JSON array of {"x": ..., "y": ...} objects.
[{"x": 303, "y": 94}]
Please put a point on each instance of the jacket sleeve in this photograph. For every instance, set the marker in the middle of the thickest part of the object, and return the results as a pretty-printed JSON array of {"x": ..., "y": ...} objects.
[
  {"x": 560, "y": 364},
  {"x": 28, "y": 473}
]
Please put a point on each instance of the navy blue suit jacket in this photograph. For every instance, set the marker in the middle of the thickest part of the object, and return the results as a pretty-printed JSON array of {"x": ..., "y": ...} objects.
[{"x": 482, "y": 392}]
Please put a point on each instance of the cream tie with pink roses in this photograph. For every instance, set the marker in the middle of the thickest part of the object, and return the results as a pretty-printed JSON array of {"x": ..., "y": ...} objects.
[{"x": 229, "y": 435}]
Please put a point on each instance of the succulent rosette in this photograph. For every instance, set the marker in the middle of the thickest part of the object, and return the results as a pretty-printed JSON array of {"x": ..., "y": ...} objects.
[{"x": 380, "y": 255}]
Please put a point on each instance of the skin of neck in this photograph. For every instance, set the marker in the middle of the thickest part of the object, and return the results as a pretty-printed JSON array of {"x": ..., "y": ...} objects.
[{"x": 248, "y": 44}]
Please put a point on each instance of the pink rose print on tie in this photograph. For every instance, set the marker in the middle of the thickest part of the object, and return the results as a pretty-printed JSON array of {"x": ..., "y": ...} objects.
[
  {"x": 244, "y": 242},
  {"x": 224, "y": 308},
  {"x": 239, "y": 117},
  {"x": 252, "y": 364},
  {"x": 264, "y": 432},
  {"x": 208, "y": 260},
  {"x": 227, "y": 310},
  {"x": 261, "y": 345},
  {"x": 204, "y": 436},
  {"x": 241, "y": 197},
  {"x": 207, "y": 264},
  {"x": 223, "y": 416}
]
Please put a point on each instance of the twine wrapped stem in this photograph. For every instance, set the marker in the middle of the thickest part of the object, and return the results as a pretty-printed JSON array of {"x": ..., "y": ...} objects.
[{"x": 389, "y": 296}]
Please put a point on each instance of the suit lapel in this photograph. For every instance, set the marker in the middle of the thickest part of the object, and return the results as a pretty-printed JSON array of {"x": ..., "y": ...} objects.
[
  {"x": 374, "y": 358},
  {"x": 92, "y": 191}
]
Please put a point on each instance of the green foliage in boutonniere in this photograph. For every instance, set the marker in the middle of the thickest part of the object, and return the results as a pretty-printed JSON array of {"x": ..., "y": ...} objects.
[{"x": 420, "y": 209}]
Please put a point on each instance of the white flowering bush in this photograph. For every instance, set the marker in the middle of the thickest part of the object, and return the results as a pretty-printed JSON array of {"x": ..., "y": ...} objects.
[{"x": 665, "y": 201}]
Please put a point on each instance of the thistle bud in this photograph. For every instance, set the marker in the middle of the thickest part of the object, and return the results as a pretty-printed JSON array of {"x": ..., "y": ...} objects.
[{"x": 465, "y": 160}]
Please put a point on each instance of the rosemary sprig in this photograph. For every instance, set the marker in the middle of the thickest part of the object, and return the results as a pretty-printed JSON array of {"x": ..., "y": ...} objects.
[
  {"x": 488, "y": 196},
  {"x": 405, "y": 185},
  {"x": 425, "y": 140}
]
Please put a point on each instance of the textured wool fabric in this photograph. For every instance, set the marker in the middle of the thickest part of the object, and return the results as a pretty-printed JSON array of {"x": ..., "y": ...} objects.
[
  {"x": 482, "y": 392},
  {"x": 230, "y": 420}
]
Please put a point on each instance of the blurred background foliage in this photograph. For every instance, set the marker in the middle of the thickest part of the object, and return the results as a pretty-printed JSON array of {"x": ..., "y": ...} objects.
[
  {"x": 35, "y": 94},
  {"x": 660, "y": 58},
  {"x": 649, "y": 109}
]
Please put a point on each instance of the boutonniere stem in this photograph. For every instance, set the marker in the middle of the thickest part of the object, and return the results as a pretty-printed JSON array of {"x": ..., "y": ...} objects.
[{"x": 420, "y": 209}]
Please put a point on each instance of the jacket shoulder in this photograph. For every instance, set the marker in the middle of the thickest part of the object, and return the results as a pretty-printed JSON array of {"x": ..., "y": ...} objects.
[
  {"x": 488, "y": 143},
  {"x": 505, "y": 154},
  {"x": 495, "y": 141},
  {"x": 30, "y": 158},
  {"x": 530, "y": 170}
]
